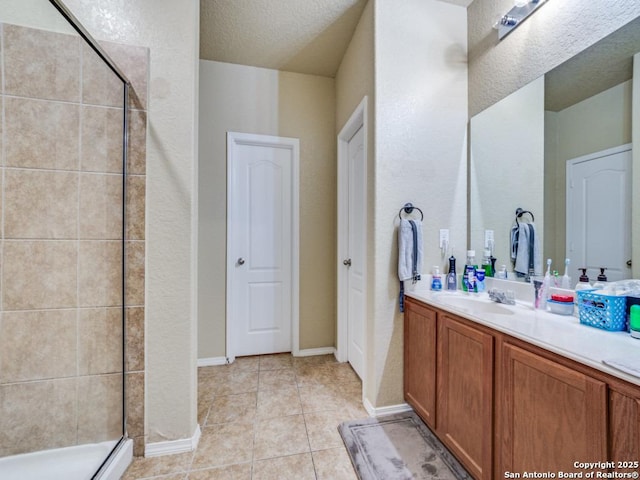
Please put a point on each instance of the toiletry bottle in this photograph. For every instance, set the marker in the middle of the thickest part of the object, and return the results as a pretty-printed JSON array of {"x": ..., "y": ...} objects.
[
  {"x": 436, "y": 281},
  {"x": 452, "y": 279},
  {"x": 469, "y": 275},
  {"x": 566, "y": 279},
  {"x": 601, "y": 282},
  {"x": 480, "y": 274},
  {"x": 486, "y": 264},
  {"x": 583, "y": 284},
  {"x": 634, "y": 321},
  {"x": 502, "y": 274}
]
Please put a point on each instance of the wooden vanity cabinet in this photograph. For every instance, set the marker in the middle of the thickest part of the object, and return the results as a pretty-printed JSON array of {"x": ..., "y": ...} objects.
[
  {"x": 624, "y": 425},
  {"x": 551, "y": 415},
  {"x": 465, "y": 393},
  {"x": 420, "y": 360}
]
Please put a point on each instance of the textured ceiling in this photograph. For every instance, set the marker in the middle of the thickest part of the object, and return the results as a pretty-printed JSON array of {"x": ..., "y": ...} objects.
[
  {"x": 604, "y": 65},
  {"x": 303, "y": 36}
]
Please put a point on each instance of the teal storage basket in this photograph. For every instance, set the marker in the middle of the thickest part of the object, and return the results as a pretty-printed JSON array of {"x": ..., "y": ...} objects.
[{"x": 602, "y": 311}]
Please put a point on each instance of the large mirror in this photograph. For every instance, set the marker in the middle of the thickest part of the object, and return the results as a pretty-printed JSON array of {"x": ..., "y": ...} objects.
[{"x": 560, "y": 149}]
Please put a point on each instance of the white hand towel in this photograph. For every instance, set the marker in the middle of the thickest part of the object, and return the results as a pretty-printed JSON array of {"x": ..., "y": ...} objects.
[
  {"x": 524, "y": 233},
  {"x": 406, "y": 248}
]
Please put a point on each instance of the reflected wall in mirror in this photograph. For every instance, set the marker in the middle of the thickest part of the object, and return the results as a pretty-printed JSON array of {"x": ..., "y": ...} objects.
[{"x": 521, "y": 146}]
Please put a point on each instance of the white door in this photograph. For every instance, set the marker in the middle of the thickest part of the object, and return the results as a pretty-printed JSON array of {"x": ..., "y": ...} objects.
[
  {"x": 355, "y": 257},
  {"x": 261, "y": 243},
  {"x": 599, "y": 213}
]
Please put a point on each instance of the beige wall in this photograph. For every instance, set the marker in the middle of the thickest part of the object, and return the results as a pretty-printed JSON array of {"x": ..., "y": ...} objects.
[
  {"x": 171, "y": 212},
  {"x": 555, "y": 33},
  {"x": 420, "y": 157},
  {"x": 256, "y": 100},
  {"x": 595, "y": 124},
  {"x": 354, "y": 81},
  {"x": 635, "y": 183}
]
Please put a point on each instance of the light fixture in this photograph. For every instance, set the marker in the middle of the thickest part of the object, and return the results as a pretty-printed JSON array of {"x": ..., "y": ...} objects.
[{"x": 506, "y": 23}]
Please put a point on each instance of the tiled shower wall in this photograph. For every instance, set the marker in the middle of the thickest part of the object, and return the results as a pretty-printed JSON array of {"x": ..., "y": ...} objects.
[{"x": 61, "y": 244}]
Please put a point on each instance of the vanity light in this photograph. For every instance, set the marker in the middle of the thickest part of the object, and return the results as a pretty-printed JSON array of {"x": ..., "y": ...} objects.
[{"x": 514, "y": 17}]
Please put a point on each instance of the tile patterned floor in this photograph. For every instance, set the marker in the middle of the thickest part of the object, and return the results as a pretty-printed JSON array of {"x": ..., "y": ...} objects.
[{"x": 267, "y": 417}]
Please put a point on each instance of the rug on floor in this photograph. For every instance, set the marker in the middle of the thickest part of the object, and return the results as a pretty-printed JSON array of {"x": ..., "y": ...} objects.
[{"x": 398, "y": 447}]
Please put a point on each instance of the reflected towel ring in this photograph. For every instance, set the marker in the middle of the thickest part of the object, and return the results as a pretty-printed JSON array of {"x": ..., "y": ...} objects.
[
  {"x": 520, "y": 212},
  {"x": 408, "y": 209}
]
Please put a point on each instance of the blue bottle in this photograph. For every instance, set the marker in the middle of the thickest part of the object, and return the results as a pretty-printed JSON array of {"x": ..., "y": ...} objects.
[{"x": 436, "y": 282}]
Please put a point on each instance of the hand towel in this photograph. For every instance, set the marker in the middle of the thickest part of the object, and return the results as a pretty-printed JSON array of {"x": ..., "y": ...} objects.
[
  {"x": 409, "y": 250},
  {"x": 525, "y": 249}
]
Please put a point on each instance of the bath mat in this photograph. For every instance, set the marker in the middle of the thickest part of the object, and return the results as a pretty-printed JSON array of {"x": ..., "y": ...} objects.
[{"x": 398, "y": 447}]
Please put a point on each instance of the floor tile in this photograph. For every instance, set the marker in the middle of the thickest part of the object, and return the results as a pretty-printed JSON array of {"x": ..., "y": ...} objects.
[
  {"x": 278, "y": 402},
  {"x": 228, "y": 472},
  {"x": 245, "y": 364},
  {"x": 314, "y": 360},
  {"x": 144, "y": 467},
  {"x": 276, "y": 378},
  {"x": 232, "y": 408},
  {"x": 224, "y": 444},
  {"x": 333, "y": 464},
  {"x": 317, "y": 398},
  {"x": 322, "y": 429},
  {"x": 294, "y": 467},
  {"x": 313, "y": 375},
  {"x": 276, "y": 362},
  {"x": 236, "y": 382},
  {"x": 277, "y": 437}
]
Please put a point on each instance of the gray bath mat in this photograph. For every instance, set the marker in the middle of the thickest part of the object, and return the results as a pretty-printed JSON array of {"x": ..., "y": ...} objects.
[{"x": 398, "y": 447}]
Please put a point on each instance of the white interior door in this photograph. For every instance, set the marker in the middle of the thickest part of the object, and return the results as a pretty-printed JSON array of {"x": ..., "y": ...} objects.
[
  {"x": 355, "y": 256},
  {"x": 599, "y": 212},
  {"x": 261, "y": 243}
]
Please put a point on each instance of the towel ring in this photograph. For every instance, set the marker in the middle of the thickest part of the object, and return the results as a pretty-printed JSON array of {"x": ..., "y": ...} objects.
[
  {"x": 408, "y": 209},
  {"x": 520, "y": 212}
]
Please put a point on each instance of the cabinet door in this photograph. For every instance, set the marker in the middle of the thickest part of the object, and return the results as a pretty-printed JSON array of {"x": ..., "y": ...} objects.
[
  {"x": 552, "y": 416},
  {"x": 624, "y": 430},
  {"x": 420, "y": 360},
  {"x": 465, "y": 394}
]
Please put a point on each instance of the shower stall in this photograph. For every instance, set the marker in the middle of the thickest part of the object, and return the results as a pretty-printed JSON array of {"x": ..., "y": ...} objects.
[{"x": 63, "y": 157}]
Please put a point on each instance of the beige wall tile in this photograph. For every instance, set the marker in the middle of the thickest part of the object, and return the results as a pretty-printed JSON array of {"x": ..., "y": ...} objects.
[
  {"x": 135, "y": 273},
  {"x": 50, "y": 61},
  {"x": 134, "y": 401},
  {"x": 102, "y": 139},
  {"x": 37, "y": 345},
  {"x": 100, "y": 86},
  {"x": 39, "y": 275},
  {"x": 100, "y": 273},
  {"x": 37, "y": 416},
  {"x": 134, "y": 63},
  {"x": 40, "y": 204},
  {"x": 100, "y": 341},
  {"x": 137, "y": 153},
  {"x": 100, "y": 413},
  {"x": 135, "y": 206},
  {"x": 42, "y": 134},
  {"x": 101, "y": 206},
  {"x": 134, "y": 325}
]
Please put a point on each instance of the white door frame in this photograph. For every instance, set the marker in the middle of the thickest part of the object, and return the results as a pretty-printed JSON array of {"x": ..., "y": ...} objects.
[
  {"x": 292, "y": 144},
  {"x": 357, "y": 120}
]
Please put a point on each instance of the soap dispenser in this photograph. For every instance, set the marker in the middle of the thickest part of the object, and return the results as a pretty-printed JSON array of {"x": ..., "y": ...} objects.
[
  {"x": 583, "y": 284},
  {"x": 452, "y": 279},
  {"x": 602, "y": 279}
]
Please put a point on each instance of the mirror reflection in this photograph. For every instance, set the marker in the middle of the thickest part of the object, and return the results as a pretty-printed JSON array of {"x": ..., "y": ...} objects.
[{"x": 560, "y": 147}]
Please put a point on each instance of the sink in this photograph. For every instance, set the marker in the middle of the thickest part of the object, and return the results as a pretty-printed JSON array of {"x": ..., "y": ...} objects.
[{"x": 478, "y": 305}]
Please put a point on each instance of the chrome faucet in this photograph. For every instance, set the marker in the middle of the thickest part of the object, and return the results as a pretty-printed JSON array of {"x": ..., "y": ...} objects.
[{"x": 507, "y": 297}]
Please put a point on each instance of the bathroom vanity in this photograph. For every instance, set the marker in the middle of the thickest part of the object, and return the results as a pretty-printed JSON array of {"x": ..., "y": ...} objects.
[{"x": 510, "y": 390}]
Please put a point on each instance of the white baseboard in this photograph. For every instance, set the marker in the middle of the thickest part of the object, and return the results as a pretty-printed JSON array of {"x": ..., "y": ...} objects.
[
  {"x": 171, "y": 447},
  {"x": 382, "y": 411},
  {"x": 309, "y": 352},
  {"x": 212, "y": 361}
]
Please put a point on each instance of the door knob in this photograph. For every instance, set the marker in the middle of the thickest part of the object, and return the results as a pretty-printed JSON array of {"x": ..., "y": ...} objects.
[
  {"x": 241, "y": 261},
  {"x": 347, "y": 262},
  {"x": 628, "y": 263}
]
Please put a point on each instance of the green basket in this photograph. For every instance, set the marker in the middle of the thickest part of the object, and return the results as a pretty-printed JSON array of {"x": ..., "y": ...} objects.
[{"x": 602, "y": 311}]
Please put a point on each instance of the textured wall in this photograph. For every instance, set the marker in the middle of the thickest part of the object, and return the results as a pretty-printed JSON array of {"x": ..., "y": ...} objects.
[
  {"x": 256, "y": 100},
  {"x": 421, "y": 156},
  {"x": 354, "y": 80},
  {"x": 170, "y": 30},
  {"x": 555, "y": 33}
]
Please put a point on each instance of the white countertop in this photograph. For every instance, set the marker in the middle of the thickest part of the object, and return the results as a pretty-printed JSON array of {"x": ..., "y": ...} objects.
[{"x": 561, "y": 334}]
